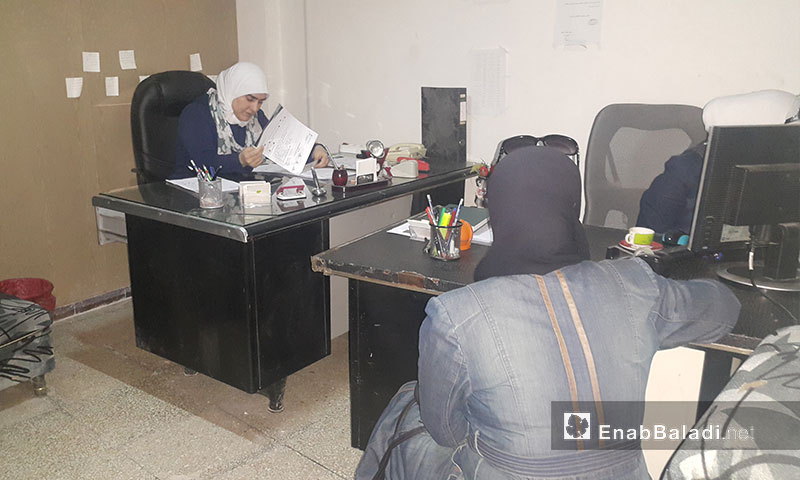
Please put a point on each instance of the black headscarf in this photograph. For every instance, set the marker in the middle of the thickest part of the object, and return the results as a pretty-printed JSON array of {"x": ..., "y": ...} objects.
[{"x": 534, "y": 204}]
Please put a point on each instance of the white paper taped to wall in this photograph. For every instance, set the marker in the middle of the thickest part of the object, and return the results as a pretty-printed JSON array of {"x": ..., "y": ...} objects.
[
  {"x": 488, "y": 76},
  {"x": 127, "y": 60},
  {"x": 74, "y": 86},
  {"x": 195, "y": 64},
  {"x": 91, "y": 61},
  {"x": 578, "y": 23},
  {"x": 112, "y": 86}
]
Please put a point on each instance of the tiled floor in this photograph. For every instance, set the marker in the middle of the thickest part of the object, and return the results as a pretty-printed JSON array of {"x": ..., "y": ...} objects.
[{"x": 114, "y": 411}]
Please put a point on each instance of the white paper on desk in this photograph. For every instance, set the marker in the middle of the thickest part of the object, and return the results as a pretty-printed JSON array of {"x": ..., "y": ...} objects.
[
  {"x": 483, "y": 236},
  {"x": 192, "y": 185},
  {"x": 324, "y": 174},
  {"x": 346, "y": 159},
  {"x": 287, "y": 141},
  {"x": 401, "y": 229},
  {"x": 269, "y": 167}
]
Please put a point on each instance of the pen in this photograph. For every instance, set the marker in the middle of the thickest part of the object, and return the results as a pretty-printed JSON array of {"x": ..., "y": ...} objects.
[
  {"x": 430, "y": 215},
  {"x": 458, "y": 211},
  {"x": 438, "y": 239},
  {"x": 430, "y": 204}
]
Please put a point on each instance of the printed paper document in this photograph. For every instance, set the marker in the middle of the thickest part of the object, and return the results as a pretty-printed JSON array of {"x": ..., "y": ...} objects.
[{"x": 287, "y": 141}]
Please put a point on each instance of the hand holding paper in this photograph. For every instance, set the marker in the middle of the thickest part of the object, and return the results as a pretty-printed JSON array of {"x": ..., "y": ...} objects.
[
  {"x": 251, "y": 156},
  {"x": 287, "y": 141}
]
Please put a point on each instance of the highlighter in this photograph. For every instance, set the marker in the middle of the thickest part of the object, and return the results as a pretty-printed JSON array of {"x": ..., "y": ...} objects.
[{"x": 444, "y": 221}]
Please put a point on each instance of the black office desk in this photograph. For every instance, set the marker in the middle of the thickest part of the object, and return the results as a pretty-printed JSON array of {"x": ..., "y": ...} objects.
[
  {"x": 391, "y": 280},
  {"x": 229, "y": 292}
]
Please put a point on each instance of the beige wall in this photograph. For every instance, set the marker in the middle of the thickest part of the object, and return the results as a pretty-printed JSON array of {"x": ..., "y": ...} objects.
[{"x": 58, "y": 152}]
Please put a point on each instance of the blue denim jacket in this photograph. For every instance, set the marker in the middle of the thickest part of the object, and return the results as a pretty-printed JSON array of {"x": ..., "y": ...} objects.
[{"x": 490, "y": 363}]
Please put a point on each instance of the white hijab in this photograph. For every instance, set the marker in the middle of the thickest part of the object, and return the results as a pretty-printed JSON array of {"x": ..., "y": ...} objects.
[
  {"x": 241, "y": 79},
  {"x": 764, "y": 107},
  {"x": 236, "y": 81}
]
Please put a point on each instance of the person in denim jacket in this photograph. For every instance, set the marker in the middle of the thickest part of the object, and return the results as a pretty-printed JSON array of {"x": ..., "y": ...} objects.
[{"x": 541, "y": 324}]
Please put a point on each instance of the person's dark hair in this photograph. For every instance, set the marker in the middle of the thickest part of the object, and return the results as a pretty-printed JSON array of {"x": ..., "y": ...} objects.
[{"x": 534, "y": 214}]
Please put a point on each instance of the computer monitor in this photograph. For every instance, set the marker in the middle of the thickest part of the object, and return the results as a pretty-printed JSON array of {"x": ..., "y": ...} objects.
[{"x": 750, "y": 192}]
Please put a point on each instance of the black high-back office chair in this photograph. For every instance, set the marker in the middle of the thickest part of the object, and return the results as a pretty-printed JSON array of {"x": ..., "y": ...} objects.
[
  {"x": 157, "y": 103},
  {"x": 628, "y": 146}
]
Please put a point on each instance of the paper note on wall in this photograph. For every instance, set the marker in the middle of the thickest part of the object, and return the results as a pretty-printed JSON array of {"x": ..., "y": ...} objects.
[
  {"x": 195, "y": 64},
  {"x": 142, "y": 77},
  {"x": 74, "y": 86},
  {"x": 578, "y": 23},
  {"x": 91, "y": 61},
  {"x": 127, "y": 60},
  {"x": 112, "y": 86},
  {"x": 488, "y": 79}
]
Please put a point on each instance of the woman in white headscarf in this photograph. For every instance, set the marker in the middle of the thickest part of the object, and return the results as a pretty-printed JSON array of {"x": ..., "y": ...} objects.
[
  {"x": 222, "y": 127},
  {"x": 668, "y": 204}
]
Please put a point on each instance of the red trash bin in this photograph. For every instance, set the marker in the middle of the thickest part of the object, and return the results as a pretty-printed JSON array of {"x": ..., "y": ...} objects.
[{"x": 37, "y": 290}]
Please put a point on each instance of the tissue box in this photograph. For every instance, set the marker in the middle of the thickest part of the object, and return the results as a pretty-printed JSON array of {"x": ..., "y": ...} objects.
[{"x": 255, "y": 193}]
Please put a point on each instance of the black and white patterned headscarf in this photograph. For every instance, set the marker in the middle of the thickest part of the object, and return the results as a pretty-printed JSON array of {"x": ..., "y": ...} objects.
[{"x": 240, "y": 79}]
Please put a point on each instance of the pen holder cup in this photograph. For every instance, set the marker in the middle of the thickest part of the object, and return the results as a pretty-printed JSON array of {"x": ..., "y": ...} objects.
[
  {"x": 210, "y": 193},
  {"x": 445, "y": 242}
]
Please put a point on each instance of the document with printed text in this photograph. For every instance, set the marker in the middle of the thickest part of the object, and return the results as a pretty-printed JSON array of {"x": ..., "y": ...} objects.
[{"x": 286, "y": 141}]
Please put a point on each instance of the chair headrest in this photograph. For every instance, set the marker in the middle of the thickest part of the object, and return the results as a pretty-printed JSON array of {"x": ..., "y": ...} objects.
[{"x": 156, "y": 105}]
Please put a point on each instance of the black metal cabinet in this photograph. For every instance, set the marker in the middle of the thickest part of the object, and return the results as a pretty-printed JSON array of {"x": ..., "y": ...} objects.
[{"x": 247, "y": 314}]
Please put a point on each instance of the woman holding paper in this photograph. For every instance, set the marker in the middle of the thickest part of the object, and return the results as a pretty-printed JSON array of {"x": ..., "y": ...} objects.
[{"x": 223, "y": 126}]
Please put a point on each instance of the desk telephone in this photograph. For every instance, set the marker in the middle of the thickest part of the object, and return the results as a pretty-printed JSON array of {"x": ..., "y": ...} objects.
[{"x": 405, "y": 150}]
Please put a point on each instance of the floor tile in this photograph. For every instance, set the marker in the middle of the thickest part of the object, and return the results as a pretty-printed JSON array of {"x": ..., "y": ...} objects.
[
  {"x": 115, "y": 411},
  {"x": 192, "y": 448},
  {"x": 18, "y": 403},
  {"x": 279, "y": 463},
  {"x": 56, "y": 445},
  {"x": 322, "y": 442}
]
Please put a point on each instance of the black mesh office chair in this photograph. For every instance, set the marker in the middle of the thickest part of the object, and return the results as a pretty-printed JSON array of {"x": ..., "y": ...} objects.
[
  {"x": 628, "y": 146},
  {"x": 157, "y": 103}
]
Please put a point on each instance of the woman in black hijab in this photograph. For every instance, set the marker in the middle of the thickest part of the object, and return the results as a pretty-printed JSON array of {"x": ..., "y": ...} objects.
[
  {"x": 542, "y": 330},
  {"x": 535, "y": 202}
]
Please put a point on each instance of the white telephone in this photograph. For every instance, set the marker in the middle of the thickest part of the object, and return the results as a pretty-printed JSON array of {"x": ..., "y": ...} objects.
[{"x": 409, "y": 150}]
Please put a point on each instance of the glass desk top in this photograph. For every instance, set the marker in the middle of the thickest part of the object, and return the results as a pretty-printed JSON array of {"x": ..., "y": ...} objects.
[{"x": 174, "y": 205}]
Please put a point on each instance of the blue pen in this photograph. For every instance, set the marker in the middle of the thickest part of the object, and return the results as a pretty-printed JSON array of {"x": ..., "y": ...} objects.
[
  {"x": 213, "y": 173},
  {"x": 458, "y": 211}
]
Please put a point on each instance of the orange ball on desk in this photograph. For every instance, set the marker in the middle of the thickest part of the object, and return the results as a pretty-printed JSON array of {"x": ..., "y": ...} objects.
[{"x": 466, "y": 235}]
